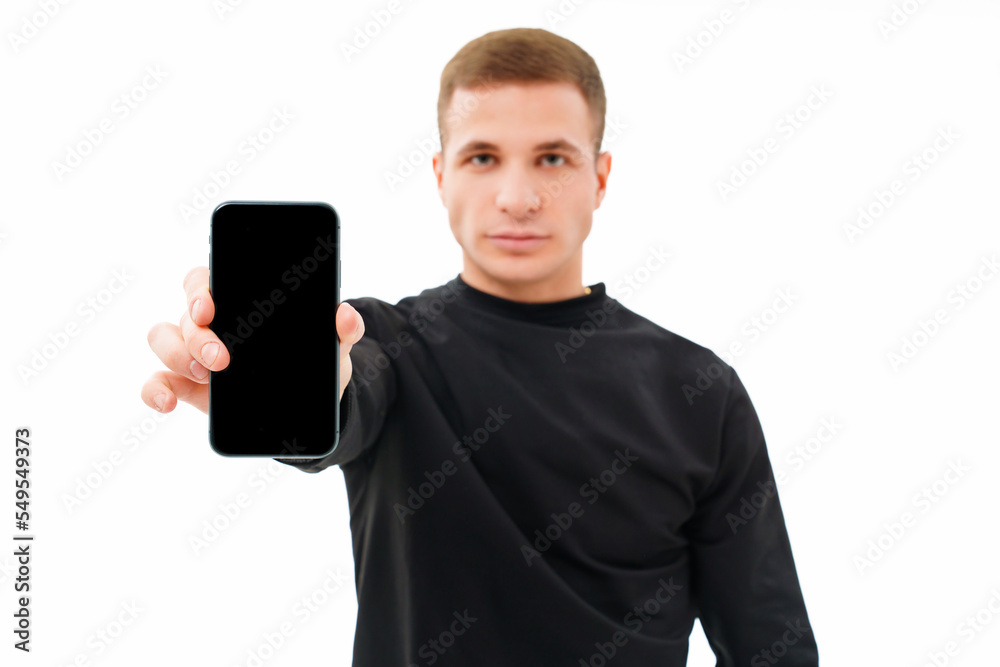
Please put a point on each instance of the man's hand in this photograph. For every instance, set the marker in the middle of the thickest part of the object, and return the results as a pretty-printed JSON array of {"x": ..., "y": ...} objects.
[{"x": 191, "y": 349}]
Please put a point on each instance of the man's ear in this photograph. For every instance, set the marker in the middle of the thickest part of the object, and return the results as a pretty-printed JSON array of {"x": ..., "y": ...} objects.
[
  {"x": 603, "y": 165},
  {"x": 437, "y": 162}
]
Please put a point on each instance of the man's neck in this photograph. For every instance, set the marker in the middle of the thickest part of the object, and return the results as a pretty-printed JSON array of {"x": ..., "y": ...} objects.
[{"x": 547, "y": 291}]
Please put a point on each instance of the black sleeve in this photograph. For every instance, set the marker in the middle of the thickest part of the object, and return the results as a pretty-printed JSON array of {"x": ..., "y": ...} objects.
[
  {"x": 363, "y": 408},
  {"x": 744, "y": 581}
]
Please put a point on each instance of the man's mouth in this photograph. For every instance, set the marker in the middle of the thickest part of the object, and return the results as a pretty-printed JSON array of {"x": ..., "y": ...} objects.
[{"x": 517, "y": 241}]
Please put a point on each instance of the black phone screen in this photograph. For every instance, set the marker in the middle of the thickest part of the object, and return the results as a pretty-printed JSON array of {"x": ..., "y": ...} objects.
[{"x": 274, "y": 278}]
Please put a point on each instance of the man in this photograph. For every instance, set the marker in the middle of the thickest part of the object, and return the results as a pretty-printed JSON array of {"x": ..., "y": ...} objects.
[{"x": 536, "y": 474}]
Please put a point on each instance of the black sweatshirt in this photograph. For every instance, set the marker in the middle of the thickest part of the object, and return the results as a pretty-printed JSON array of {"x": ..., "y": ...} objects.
[{"x": 553, "y": 484}]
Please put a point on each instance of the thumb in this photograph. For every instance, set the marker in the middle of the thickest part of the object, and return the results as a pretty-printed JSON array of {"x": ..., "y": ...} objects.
[{"x": 350, "y": 327}]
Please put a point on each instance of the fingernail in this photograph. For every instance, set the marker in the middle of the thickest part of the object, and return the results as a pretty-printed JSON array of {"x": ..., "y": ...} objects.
[
  {"x": 194, "y": 309},
  {"x": 209, "y": 352},
  {"x": 159, "y": 400},
  {"x": 198, "y": 370}
]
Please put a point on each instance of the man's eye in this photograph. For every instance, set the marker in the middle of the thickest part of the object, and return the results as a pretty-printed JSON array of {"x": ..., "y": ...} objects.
[{"x": 490, "y": 157}]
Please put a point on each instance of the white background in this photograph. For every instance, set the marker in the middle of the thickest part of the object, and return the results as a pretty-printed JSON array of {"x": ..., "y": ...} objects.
[{"x": 684, "y": 129}]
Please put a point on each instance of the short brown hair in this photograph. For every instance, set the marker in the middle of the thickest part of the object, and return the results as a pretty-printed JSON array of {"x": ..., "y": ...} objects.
[{"x": 523, "y": 55}]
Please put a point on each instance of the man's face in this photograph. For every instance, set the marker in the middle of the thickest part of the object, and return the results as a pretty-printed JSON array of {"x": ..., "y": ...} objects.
[{"x": 519, "y": 160}]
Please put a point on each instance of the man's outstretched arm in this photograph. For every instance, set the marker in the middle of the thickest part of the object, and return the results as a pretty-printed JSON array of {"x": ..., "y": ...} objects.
[
  {"x": 364, "y": 406},
  {"x": 190, "y": 350}
]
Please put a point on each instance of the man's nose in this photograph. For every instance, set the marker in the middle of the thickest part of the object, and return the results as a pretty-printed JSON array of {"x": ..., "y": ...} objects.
[{"x": 519, "y": 195}]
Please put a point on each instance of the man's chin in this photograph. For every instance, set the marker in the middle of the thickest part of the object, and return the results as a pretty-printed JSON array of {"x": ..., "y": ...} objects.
[{"x": 519, "y": 269}]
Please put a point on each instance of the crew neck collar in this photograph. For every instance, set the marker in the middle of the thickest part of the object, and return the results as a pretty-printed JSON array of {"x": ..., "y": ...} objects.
[{"x": 566, "y": 311}]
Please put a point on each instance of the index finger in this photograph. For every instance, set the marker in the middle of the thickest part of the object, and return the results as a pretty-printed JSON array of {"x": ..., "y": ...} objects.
[{"x": 201, "y": 308}]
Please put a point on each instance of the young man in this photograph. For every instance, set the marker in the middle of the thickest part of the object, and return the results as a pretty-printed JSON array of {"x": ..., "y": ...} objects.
[{"x": 537, "y": 475}]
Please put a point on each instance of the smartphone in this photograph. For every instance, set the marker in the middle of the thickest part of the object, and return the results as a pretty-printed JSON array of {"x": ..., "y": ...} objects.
[{"x": 274, "y": 275}]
